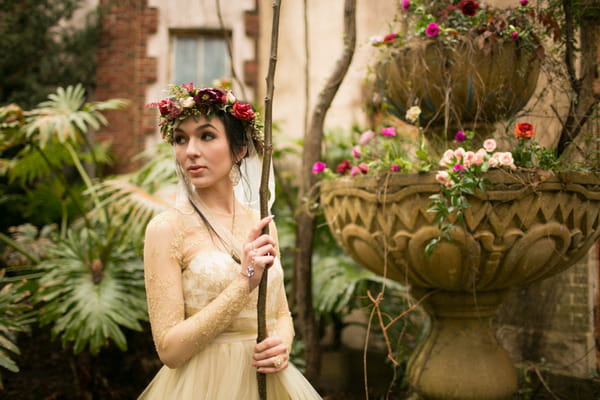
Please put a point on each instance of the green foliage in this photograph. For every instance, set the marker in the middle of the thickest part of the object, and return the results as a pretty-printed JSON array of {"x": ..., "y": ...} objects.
[
  {"x": 15, "y": 317},
  {"x": 41, "y": 52},
  {"x": 92, "y": 288}
]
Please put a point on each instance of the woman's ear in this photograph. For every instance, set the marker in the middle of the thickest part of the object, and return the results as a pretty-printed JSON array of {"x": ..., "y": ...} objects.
[{"x": 241, "y": 154}]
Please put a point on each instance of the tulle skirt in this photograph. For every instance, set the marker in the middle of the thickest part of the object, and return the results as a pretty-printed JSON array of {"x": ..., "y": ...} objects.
[{"x": 223, "y": 371}]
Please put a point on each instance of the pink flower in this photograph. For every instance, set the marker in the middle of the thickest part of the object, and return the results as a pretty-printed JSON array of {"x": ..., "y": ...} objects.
[
  {"x": 366, "y": 137},
  {"x": 442, "y": 177},
  {"x": 489, "y": 145},
  {"x": 524, "y": 2},
  {"x": 354, "y": 171},
  {"x": 459, "y": 153},
  {"x": 318, "y": 167},
  {"x": 405, "y": 4},
  {"x": 514, "y": 35},
  {"x": 389, "y": 131},
  {"x": 506, "y": 159},
  {"x": 469, "y": 159},
  {"x": 458, "y": 168},
  {"x": 480, "y": 157},
  {"x": 447, "y": 158},
  {"x": 364, "y": 168},
  {"x": 356, "y": 152},
  {"x": 390, "y": 37},
  {"x": 395, "y": 168},
  {"x": 432, "y": 29},
  {"x": 460, "y": 136},
  {"x": 494, "y": 160}
]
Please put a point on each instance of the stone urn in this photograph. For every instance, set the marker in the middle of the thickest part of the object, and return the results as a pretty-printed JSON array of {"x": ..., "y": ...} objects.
[
  {"x": 521, "y": 230},
  {"x": 463, "y": 84}
]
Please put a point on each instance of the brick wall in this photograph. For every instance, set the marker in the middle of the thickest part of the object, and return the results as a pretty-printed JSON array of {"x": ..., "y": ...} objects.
[
  {"x": 124, "y": 71},
  {"x": 552, "y": 322}
]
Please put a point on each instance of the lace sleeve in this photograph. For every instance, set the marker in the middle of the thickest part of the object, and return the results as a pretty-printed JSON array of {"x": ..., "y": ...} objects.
[{"x": 177, "y": 338}]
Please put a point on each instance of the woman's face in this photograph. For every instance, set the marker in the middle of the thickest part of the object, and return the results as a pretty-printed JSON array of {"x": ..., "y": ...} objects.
[{"x": 202, "y": 150}]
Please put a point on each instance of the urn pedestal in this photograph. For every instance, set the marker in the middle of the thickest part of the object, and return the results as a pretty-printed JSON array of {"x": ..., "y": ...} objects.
[{"x": 519, "y": 231}]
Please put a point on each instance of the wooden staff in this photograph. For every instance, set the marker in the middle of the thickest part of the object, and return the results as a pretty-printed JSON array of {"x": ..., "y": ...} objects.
[{"x": 264, "y": 187}]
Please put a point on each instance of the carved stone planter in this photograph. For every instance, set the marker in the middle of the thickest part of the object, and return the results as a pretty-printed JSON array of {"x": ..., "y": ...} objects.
[
  {"x": 518, "y": 232},
  {"x": 466, "y": 85}
]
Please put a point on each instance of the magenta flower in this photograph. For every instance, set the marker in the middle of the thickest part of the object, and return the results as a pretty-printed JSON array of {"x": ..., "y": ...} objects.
[
  {"x": 356, "y": 152},
  {"x": 364, "y": 168},
  {"x": 405, "y": 4},
  {"x": 318, "y": 167},
  {"x": 514, "y": 35},
  {"x": 524, "y": 2},
  {"x": 395, "y": 168},
  {"x": 458, "y": 168},
  {"x": 432, "y": 29},
  {"x": 354, "y": 171},
  {"x": 389, "y": 131},
  {"x": 460, "y": 136}
]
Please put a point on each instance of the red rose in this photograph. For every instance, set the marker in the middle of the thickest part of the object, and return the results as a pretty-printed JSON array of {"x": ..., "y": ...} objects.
[
  {"x": 243, "y": 111},
  {"x": 163, "y": 107},
  {"x": 343, "y": 167},
  {"x": 524, "y": 130},
  {"x": 469, "y": 7}
]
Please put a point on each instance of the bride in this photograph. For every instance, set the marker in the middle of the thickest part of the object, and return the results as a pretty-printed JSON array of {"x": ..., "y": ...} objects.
[{"x": 204, "y": 258}]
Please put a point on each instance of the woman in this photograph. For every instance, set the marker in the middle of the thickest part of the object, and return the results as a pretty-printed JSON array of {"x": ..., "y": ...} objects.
[{"x": 204, "y": 259}]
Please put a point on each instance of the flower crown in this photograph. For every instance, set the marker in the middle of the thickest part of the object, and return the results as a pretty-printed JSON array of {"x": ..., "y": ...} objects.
[{"x": 186, "y": 101}]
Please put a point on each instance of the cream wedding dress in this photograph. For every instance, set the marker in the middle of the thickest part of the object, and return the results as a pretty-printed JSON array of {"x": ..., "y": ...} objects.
[{"x": 205, "y": 313}]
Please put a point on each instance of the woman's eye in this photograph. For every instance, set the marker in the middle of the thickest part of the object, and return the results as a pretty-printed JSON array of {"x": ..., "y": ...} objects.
[
  {"x": 180, "y": 139},
  {"x": 208, "y": 136}
]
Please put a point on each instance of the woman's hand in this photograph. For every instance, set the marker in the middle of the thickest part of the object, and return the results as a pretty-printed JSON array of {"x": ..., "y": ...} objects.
[
  {"x": 270, "y": 355},
  {"x": 258, "y": 253}
]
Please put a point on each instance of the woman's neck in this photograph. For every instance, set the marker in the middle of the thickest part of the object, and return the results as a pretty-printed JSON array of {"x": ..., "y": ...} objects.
[{"x": 219, "y": 199}]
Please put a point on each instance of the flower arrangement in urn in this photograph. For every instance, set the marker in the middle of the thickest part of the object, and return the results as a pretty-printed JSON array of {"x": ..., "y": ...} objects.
[{"x": 446, "y": 20}]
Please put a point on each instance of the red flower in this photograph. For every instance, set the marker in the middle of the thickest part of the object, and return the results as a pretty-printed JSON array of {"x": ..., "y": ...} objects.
[
  {"x": 243, "y": 111},
  {"x": 469, "y": 7},
  {"x": 524, "y": 130},
  {"x": 210, "y": 96},
  {"x": 343, "y": 167},
  {"x": 390, "y": 37}
]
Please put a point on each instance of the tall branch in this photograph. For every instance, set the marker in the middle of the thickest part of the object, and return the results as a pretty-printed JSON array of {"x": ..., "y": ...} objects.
[
  {"x": 305, "y": 220},
  {"x": 230, "y": 50},
  {"x": 264, "y": 185}
]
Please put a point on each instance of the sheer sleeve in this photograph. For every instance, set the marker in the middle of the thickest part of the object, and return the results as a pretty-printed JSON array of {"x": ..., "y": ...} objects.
[
  {"x": 177, "y": 338},
  {"x": 284, "y": 325}
]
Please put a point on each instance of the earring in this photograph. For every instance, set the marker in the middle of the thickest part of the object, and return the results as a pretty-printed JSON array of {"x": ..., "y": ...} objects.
[{"x": 235, "y": 175}]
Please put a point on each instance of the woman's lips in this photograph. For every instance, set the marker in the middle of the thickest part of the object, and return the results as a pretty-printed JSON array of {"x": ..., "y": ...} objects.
[{"x": 196, "y": 169}]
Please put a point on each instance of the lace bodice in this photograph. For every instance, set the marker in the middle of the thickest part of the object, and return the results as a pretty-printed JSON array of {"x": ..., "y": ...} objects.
[{"x": 194, "y": 291}]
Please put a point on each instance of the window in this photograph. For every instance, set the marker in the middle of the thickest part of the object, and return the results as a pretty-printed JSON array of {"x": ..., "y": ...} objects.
[{"x": 199, "y": 58}]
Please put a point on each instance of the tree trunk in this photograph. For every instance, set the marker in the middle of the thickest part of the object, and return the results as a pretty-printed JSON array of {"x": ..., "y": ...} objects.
[
  {"x": 583, "y": 100},
  {"x": 305, "y": 220}
]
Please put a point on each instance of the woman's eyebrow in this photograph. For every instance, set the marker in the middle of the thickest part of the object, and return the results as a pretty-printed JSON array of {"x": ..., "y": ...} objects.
[{"x": 197, "y": 128}]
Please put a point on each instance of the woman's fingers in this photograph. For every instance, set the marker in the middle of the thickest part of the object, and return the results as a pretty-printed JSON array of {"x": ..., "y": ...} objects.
[
  {"x": 258, "y": 228},
  {"x": 270, "y": 355}
]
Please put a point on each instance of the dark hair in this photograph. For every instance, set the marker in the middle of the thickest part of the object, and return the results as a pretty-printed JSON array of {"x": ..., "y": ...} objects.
[{"x": 235, "y": 130}]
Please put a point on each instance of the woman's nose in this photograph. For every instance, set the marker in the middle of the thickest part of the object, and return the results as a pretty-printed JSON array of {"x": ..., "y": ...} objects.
[{"x": 193, "y": 147}]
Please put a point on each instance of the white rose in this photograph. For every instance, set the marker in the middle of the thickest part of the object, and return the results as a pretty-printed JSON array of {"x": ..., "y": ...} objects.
[{"x": 188, "y": 102}]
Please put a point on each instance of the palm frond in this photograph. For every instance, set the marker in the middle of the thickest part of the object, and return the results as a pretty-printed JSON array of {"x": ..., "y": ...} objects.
[
  {"x": 92, "y": 288},
  {"x": 66, "y": 116},
  {"x": 15, "y": 317}
]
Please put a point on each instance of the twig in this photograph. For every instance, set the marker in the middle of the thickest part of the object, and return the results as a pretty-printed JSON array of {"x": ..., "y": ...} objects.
[{"x": 264, "y": 186}]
